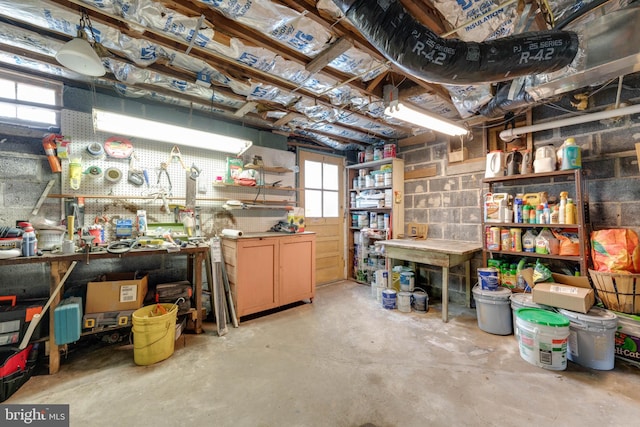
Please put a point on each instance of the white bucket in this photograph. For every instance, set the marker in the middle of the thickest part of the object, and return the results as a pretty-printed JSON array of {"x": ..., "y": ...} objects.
[
  {"x": 407, "y": 281},
  {"x": 523, "y": 300},
  {"x": 420, "y": 300},
  {"x": 404, "y": 302},
  {"x": 493, "y": 311},
  {"x": 389, "y": 299},
  {"x": 592, "y": 338},
  {"x": 381, "y": 278},
  {"x": 542, "y": 338},
  {"x": 488, "y": 278}
]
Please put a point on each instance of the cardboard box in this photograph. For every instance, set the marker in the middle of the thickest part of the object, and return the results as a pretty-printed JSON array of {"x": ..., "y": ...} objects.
[
  {"x": 569, "y": 292},
  {"x": 119, "y": 292}
]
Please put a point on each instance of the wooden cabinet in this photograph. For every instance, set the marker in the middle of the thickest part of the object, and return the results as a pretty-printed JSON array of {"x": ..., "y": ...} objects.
[
  {"x": 269, "y": 270},
  {"x": 552, "y": 183},
  {"x": 376, "y": 211}
]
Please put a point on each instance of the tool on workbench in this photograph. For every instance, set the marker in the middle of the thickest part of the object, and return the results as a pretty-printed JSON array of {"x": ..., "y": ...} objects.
[{"x": 88, "y": 241}]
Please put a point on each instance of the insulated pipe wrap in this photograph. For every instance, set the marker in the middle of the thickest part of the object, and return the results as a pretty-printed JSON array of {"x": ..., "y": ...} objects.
[{"x": 420, "y": 52}]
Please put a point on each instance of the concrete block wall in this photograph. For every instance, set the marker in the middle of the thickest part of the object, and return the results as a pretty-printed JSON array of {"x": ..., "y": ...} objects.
[{"x": 450, "y": 201}]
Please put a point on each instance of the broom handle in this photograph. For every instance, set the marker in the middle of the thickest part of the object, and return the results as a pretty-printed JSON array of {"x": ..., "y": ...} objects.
[{"x": 37, "y": 317}]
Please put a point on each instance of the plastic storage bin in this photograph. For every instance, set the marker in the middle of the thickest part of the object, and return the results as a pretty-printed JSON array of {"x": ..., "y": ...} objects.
[{"x": 493, "y": 310}]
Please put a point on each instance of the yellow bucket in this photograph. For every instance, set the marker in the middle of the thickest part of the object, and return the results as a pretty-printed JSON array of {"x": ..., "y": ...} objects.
[{"x": 154, "y": 332}]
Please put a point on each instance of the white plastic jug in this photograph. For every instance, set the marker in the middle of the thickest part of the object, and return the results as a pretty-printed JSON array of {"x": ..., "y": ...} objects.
[
  {"x": 495, "y": 164},
  {"x": 545, "y": 159}
]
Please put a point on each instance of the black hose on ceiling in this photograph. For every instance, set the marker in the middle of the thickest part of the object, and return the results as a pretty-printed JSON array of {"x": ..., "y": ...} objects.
[{"x": 420, "y": 52}]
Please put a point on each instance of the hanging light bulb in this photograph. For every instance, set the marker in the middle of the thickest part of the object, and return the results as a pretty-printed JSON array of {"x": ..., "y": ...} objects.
[{"x": 79, "y": 54}]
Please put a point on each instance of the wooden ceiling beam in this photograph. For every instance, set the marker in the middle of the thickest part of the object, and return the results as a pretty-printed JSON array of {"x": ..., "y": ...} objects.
[{"x": 323, "y": 59}]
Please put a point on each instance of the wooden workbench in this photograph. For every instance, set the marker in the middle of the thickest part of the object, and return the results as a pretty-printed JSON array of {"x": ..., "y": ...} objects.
[
  {"x": 59, "y": 264},
  {"x": 441, "y": 253}
]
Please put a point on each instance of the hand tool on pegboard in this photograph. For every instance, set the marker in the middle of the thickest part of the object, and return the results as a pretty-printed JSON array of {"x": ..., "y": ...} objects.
[
  {"x": 175, "y": 154},
  {"x": 135, "y": 175}
]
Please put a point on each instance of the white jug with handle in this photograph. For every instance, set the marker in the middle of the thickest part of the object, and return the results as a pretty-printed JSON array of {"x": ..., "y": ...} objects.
[
  {"x": 495, "y": 164},
  {"x": 545, "y": 159}
]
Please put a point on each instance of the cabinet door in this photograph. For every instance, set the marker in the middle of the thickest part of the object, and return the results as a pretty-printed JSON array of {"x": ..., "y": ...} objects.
[
  {"x": 297, "y": 268},
  {"x": 257, "y": 275}
]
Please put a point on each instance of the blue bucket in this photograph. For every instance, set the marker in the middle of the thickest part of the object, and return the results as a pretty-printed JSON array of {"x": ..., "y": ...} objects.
[
  {"x": 488, "y": 278},
  {"x": 389, "y": 299}
]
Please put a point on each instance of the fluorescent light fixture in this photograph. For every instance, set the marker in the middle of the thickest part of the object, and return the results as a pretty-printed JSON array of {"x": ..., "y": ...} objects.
[
  {"x": 121, "y": 124},
  {"x": 424, "y": 119}
]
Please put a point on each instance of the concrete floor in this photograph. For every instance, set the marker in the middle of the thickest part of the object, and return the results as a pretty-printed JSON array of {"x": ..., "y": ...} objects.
[{"x": 341, "y": 361}]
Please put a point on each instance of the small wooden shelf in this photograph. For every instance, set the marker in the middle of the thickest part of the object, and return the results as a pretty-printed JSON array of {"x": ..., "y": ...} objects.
[
  {"x": 201, "y": 199},
  {"x": 268, "y": 169},
  {"x": 262, "y": 187}
]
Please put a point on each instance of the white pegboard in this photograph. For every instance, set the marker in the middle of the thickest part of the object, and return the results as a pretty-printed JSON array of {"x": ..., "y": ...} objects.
[{"x": 78, "y": 128}]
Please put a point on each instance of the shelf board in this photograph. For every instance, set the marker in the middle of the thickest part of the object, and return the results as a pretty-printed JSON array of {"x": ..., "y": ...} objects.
[
  {"x": 381, "y": 187},
  {"x": 249, "y": 187},
  {"x": 369, "y": 209},
  {"x": 269, "y": 169},
  {"x": 537, "y": 255},
  {"x": 201, "y": 199},
  {"x": 507, "y": 178},
  {"x": 527, "y": 225},
  {"x": 372, "y": 164}
]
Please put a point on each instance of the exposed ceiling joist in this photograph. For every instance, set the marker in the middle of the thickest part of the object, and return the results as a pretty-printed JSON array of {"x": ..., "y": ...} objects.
[{"x": 323, "y": 59}]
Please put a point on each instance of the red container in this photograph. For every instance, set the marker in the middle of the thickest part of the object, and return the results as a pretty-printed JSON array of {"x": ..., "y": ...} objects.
[{"x": 389, "y": 151}]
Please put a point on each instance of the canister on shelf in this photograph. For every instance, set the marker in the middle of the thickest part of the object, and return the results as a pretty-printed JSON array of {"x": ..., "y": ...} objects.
[
  {"x": 505, "y": 239},
  {"x": 388, "y": 197},
  {"x": 389, "y": 150},
  {"x": 516, "y": 239},
  {"x": 373, "y": 219},
  {"x": 368, "y": 181},
  {"x": 379, "y": 180},
  {"x": 493, "y": 239}
]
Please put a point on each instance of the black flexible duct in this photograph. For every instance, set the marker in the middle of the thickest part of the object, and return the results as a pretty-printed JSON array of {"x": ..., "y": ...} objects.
[{"x": 420, "y": 52}]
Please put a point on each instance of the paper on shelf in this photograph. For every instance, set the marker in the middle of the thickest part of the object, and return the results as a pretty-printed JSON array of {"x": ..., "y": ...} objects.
[{"x": 231, "y": 233}]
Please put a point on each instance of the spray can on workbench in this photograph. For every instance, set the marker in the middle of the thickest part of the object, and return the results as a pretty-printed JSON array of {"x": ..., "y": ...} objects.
[{"x": 29, "y": 242}]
